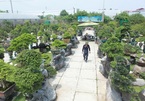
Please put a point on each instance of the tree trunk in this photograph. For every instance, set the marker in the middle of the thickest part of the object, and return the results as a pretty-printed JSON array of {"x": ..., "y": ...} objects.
[{"x": 2, "y": 83}]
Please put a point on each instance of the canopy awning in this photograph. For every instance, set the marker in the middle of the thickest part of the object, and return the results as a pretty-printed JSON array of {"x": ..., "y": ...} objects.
[{"x": 88, "y": 24}]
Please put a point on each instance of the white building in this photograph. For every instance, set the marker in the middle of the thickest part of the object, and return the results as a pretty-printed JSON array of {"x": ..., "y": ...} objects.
[{"x": 18, "y": 18}]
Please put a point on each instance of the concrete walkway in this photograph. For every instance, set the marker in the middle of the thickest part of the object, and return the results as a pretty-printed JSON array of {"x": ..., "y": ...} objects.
[{"x": 80, "y": 80}]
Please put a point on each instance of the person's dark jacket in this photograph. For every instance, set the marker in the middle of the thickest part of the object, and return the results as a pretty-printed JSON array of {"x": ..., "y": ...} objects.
[{"x": 86, "y": 49}]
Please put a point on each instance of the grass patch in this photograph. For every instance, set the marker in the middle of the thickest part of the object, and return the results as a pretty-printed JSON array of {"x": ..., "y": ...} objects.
[
  {"x": 20, "y": 97},
  {"x": 138, "y": 88}
]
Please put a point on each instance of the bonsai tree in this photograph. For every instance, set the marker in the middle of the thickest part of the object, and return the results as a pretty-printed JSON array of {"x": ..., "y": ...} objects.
[
  {"x": 120, "y": 77},
  {"x": 6, "y": 71},
  {"x": 28, "y": 77},
  {"x": 130, "y": 49},
  {"x": 58, "y": 44},
  {"x": 21, "y": 42},
  {"x": 66, "y": 37},
  {"x": 112, "y": 47},
  {"x": 54, "y": 36}
]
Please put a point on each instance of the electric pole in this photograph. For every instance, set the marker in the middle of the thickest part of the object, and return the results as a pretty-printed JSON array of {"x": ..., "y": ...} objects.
[
  {"x": 11, "y": 5},
  {"x": 103, "y": 12},
  {"x": 74, "y": 10}
]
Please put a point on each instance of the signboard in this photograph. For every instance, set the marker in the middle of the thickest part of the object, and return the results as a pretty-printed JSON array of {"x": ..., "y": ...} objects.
[
  {"x": 91, "y": 19},
  {"x": 83, "y": 19},
  {"x": 122, "y": 21},
  {"x": 46, "y": 22},
  {"x": 96, "y": 18}
]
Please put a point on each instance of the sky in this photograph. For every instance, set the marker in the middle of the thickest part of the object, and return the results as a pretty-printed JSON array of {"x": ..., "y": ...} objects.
[{"x": 56, "y": 6}]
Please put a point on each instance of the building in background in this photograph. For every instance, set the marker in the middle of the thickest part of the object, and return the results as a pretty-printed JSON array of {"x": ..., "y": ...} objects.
[{"x": 18, "y": 18}]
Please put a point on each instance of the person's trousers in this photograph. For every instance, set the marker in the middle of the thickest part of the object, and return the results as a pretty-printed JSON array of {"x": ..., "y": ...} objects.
[{"x": 85, "y": 56}]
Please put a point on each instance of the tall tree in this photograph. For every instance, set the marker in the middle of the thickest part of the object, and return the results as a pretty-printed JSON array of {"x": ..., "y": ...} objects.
[
  {"x": 64, "y": 13},
  {"x": 136, "y": 18}
]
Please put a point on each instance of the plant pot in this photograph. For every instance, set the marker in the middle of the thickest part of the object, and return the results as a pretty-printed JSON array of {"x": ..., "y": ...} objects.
[
  {"x": 7, "y": 92},
  {"x": 66, "y": 40},
  {"x": 55, "y": 52}
]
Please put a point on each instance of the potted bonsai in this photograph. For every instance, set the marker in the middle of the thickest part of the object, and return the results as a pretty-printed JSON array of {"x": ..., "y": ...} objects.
[
  {"x": 6, "y": 87},
  {"x": 57, "y": 45},
  {"x": 130, "y": 49},
  {"x": 54, "y": 37},
  {"x": 66, "y": 37}
]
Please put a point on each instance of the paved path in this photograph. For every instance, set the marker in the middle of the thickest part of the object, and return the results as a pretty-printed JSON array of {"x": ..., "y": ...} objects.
[{"x": 80, "y": 81}]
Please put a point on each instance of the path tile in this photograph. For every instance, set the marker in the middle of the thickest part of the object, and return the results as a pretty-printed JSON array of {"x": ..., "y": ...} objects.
[
  {"x": 88, "y": 65},
  {"x": 101, "y": 87},
  {"x": 85, "y": 97},
  {"x": 54, "y": 81},
  {"x": 86, "y": 85},
  {"x": 65, "y": 95},
  {"x": 101, "y": 97},
  {"x": 72, "y": 73},
  {"x": 74, "y": 65},
  {"x": 88, "y": 74},
  {"x": 68, "y": 83}
]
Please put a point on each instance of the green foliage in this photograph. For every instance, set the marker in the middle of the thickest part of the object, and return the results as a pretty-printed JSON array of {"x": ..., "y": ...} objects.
[
  {"x": 54, "y": 27},
  {"x": 135, "y": 97},
  {"x": 51, "y": 71},
  {"x": 105, "y": 31},
  {"x": 131, "y": 49},
  {"x": 121, "y": 82},
  {"x": 21, "y": 42},
  {"x": 54, "y": 36},
  {"x": 138, "y": 88},
  {"x": 7, "y": 26},
  {"x": 142, "y": 75},
  {"x": 80, "y": 13},
  {"x": 113, "y": 64},
  {"x": 139, "y": 28},
  {"x": 30, "y": 58},
  {"x": 47, "y": 57},
  {"x": 107, "y": 19},
  {"x": 112, "y": 47},
  {"x": 59, "y": 44},
  {"x": 120, "y": 77},
  {"x": 1, "y": 50},
  {"x": 140, "y": 39},
  {"x": 63, "y": 13},
  {"x": 136, "y": 18},
  {"x": 20, "y": 97},
  {"x": 67, "y": 35},
  {"x": 28, "y": 80},
  {"x": 121, "y": 16},
  {"x": 6, "y": 71}
]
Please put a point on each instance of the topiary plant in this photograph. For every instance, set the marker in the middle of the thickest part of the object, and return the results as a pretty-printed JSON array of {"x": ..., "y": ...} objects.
[
  {"x": 112, "y": 47},
  {"x": 130, "y": 49},
  {"x": 120, "y": 77},
  {"x": 67, "y": 35},
  {"x": 29, "y": 58},
  {"x": 57, "y": 44}
]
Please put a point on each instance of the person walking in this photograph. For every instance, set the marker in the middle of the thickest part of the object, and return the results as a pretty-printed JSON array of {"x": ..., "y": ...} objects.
[{"x": 85, "y": 50}]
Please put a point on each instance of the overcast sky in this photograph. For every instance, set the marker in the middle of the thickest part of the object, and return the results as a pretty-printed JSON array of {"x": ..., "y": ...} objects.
[{"x": 55, "y": 6}]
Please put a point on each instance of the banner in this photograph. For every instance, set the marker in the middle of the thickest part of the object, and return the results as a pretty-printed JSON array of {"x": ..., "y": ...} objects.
[
  {"x": 83, "y": 19},
  {"x": 91, "y": 19}
]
